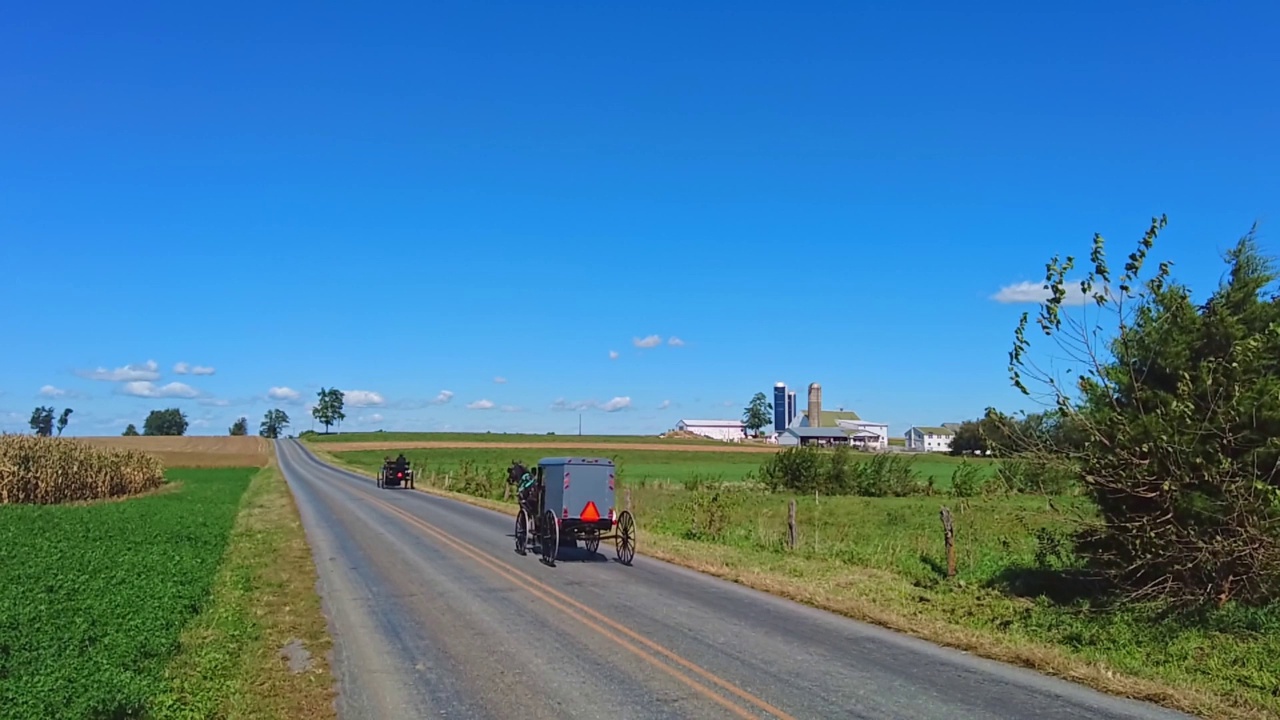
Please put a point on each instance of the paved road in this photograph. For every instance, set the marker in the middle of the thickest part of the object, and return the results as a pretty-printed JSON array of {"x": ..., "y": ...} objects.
[{"x": 433, "y": 614}]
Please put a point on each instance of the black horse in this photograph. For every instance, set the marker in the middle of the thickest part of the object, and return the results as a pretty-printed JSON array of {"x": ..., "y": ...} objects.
[{"x": 515, "y": 476}]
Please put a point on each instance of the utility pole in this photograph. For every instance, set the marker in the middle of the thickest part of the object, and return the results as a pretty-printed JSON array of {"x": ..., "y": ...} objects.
[{"x": 579, "y": 424}]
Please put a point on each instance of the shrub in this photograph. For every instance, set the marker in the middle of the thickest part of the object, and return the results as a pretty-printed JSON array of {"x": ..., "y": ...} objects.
[
  {"x": 835, "y": 472},
  {"x": 43, "y": 471},
  {"x": 966, "y": 480}
]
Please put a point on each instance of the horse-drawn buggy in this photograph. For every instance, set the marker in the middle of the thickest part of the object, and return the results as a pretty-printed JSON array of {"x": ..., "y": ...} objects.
[
  {"x": 564, "y": 500},
  {"x": 395, "y": 473}
]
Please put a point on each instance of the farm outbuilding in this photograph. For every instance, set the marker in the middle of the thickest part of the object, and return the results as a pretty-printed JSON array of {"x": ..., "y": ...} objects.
[
  {"x": 793, "y": 436},
  {"x": 727, "y": 430}
]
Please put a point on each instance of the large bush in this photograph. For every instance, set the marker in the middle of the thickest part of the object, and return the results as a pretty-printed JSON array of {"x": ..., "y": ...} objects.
[
  {"x": 1175, "y": 423},
  {"x": 840, "y": 472}
]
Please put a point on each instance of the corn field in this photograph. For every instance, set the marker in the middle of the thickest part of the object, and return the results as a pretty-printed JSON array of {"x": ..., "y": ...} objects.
[{"x": 45, "y": 471}]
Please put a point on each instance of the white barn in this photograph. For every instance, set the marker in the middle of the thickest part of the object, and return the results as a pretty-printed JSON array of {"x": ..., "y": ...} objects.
[
  {"x": 727, "y": 430},
  {"x": 866, "y": 434}
]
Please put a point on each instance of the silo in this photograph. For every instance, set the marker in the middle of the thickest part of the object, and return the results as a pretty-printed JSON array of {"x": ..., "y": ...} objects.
[
  {"x": 779, "y": 407},
  {"x": 815, "y": 405}
]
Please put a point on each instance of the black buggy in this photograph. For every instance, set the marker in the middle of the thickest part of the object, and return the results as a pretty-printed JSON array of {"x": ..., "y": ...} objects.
[
  {"x": 395, "y": 473},
  {"x": 571, "y": 499}
]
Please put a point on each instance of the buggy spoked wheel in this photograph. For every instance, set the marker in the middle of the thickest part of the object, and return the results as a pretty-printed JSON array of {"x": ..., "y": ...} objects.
[
  {"x": 591, "y": 541},
  {"x": 624, "y": 539},
  {"x": 550, "y": 540},
  {"x": 522, "y": 531}
]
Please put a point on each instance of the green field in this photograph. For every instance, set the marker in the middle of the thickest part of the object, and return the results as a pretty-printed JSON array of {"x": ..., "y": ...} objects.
[
  {"x": 527, "y": 438},
  {"x": 638, "y": 467},
  {"x": 883, "y": 560},
  {"x": 93, "y": 597}
]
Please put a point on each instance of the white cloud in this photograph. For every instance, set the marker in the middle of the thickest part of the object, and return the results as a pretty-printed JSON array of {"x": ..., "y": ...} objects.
[
  {"x": 648, "y": 342},
  {"x": 1030, "y": 292},
  {"x": 675, "y": 341},
  {"x": 616, "y": 404},
  {"x": 444, "y": 397},
  {"x": 480, "y": 405},
  {"x": 215, "y": 402},
  {"x": 185, "y": 369},
  {"x": 665, "y": 404},
  {"x": 51, "y": 391},
  {"x": 613, "y": 354},
  {"x": 284, "y": 393},
  {"x": 374, "y": 418},
  {"x": 148, "y": 389},
  {"x": 362, "y": 398},
  {"x": 500, "y": 380},
  {"x": 511, "y": 409},
  {"x": 146, "y": 371}
]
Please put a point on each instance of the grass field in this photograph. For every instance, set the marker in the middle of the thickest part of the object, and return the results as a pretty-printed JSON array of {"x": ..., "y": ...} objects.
[
  {"x": 522, "y": 438},
  {"x": 173, "y": 604},
  {"x": 110, "y": 585},
  {"x": 882, "y": 560},
  {"x": 638, "y": 467}
]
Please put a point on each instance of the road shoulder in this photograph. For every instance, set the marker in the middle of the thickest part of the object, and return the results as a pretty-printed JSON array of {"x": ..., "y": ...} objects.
[{"x": 260, "y": 648}]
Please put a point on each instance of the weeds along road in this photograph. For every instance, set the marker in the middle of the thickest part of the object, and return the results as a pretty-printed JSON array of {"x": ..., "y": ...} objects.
[{"x": 433, "y": 614}]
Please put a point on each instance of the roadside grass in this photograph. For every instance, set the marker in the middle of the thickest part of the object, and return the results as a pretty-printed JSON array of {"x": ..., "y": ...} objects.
[
  {"x": 93, "y": 597},
  {"x": 232, "y": 660},
  {"x": 637, "y": 468},
  {"x": 530, "y": 438},
  {"x": 882, "y": 560}
]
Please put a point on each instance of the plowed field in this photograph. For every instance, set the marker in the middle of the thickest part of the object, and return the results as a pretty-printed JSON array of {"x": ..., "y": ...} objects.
[{"x": 207, "y": 451}]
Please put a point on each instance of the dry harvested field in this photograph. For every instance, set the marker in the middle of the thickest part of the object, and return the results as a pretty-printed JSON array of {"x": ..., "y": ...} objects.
[
  {"x": 208, "y": 451},
  {"x": 427, "y": 444}
]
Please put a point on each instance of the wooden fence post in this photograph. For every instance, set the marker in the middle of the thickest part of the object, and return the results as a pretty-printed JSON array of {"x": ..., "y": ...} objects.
[
  {"x": 949, "y": 538},
  {"x": 791, "y": 525}
]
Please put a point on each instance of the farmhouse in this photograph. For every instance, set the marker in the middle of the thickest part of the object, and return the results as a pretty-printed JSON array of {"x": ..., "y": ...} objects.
[
  {"x": 727, "y": 430},
  {"x": 930, "y": 439}
]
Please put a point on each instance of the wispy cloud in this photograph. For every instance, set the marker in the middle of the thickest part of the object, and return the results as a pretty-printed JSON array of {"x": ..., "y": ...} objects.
[
  {"x": 647, "y": 342},
  {"x": 185, "y": 369},
  {"x": 148, "y": 389},
  {"x": 52, "y": 392},
  {"x": 480, "y": 405},
  {"x": 500, "y": 380},
  {"x": 511, "y": 409},
  {"x": 675, "y": 341},
  {"x": 613, "y": 354},
  {"x": 614, "y": 405},
  {"x": 665, "y": 404},
  {"x": 146, "y": 371},
  {"x": 444, "y": 397},
  {"x": 1031, "y": 292}
]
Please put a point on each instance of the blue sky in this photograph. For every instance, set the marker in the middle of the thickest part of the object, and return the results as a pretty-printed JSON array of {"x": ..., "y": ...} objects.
[{"x": 402, "y": 199}]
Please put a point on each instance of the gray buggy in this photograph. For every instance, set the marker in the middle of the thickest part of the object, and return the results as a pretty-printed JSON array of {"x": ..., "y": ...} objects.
[{"x": 571, "y": 499}]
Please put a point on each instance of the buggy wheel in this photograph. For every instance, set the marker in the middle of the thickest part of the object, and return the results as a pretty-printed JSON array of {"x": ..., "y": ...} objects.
[
  {"x": 522, "y": 531},
  {"x": 550, "y": 540},
  {"x": 624, "y": 538},
  {"x": 592, "y": 541},
  {"x": 379, "y": 478}
]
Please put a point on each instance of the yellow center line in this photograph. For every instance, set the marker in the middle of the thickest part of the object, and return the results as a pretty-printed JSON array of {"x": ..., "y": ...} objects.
[{"x": 564, "y": 602}]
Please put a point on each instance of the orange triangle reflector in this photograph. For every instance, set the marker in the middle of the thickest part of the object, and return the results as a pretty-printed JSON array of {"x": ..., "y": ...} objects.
[{"x": 590, "y": 513}]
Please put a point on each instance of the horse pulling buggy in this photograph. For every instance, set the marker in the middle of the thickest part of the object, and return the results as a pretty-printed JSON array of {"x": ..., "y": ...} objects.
[
  {"x": 564, "y": 500},
  {"x": 395, "y": 473}
]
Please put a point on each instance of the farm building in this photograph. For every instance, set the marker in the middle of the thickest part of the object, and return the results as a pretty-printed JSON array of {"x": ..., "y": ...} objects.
[
  {"x": 793, "y": 436},
  {"x": 727, "y": 430},
  {"x": 866, "y": 434},
  {"x": 930, "y": 439}
]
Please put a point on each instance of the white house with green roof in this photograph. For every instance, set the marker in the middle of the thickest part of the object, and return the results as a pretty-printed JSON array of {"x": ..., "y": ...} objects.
[{"x": 929, "y": 438}]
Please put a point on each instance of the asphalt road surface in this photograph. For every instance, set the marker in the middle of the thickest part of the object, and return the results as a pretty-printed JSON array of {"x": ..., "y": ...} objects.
[{"x": 434, "y": 615}]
